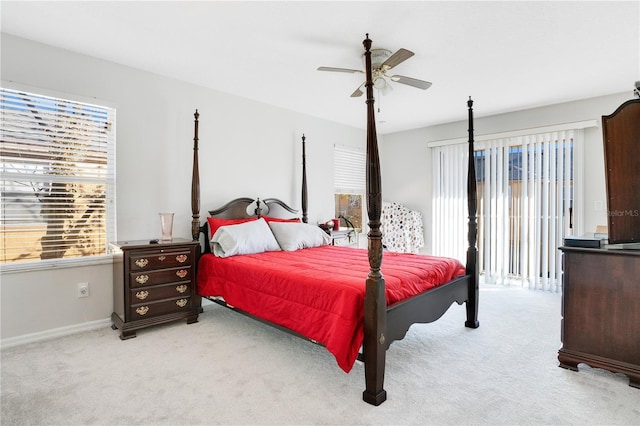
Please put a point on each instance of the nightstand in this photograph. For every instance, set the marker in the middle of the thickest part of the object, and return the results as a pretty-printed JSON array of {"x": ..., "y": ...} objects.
[
  {"x": 153, "y": 284},
  {"x": 344, "y": 237}
]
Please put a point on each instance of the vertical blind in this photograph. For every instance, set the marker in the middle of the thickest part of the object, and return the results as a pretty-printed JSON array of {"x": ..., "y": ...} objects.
[
  {"x": 58, "y": 178},
  {"x": 525, "y": 195},
  {"x": 449, "y": 206}
]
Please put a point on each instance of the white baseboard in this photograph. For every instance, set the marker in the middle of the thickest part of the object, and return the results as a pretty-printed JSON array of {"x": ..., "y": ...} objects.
[{"x": 56, "y": 332}]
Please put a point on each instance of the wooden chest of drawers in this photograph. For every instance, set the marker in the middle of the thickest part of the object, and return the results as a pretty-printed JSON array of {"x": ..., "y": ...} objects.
[
  {"x": 153, "y": 284},
  {"x": 601, "y": 310}
]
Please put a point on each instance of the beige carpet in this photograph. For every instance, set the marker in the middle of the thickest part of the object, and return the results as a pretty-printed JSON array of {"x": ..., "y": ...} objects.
[{"x": 229, "y": 369}]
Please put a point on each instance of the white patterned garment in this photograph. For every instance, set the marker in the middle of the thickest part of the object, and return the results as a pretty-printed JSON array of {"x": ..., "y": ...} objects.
[{"x": 402, "y": 229}]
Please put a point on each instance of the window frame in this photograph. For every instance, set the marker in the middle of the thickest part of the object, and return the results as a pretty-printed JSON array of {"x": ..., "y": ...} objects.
[{"x": 110, "y": 182}]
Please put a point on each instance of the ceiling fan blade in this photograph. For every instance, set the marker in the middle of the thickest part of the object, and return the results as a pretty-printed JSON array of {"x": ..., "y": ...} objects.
[
  {"x": 397, "y": 58},
  {"x": 414, "y": 82},
  {"x": 358, "y": 92},
  {"x": 347, "y": 70}
]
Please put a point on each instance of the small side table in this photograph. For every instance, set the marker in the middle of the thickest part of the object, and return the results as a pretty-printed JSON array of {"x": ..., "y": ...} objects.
[{"x": 344, "y": 237}]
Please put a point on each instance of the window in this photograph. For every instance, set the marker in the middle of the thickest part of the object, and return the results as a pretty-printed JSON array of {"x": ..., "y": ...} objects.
[
  {"x": 349, "y": 178},
  {"x": 525, "y": 204},
  {"x": 349, "y": 207},
  {"x": 58, "y": 178}
]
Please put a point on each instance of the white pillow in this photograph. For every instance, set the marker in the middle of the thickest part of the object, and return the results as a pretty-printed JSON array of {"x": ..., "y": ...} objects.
[
  {"x": 293, "y": 236},
  {"x": 245, "y": 238}
]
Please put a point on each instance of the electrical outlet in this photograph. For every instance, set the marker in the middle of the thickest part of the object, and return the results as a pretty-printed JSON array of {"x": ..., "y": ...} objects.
[{"x": 83, "y": 289}]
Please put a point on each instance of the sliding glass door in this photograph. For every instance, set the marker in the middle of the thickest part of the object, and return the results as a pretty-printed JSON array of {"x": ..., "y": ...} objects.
[{"x": 525, "y": 205}]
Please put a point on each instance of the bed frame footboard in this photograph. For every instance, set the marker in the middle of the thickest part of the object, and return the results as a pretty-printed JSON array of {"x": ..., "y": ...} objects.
[{"x": 425, "y": 307}]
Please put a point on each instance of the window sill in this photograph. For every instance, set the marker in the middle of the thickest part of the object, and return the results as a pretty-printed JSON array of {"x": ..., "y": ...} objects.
[{"x": 55, "y": 264}]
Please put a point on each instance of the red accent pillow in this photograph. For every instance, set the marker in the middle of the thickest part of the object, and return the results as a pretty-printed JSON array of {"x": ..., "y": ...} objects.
[
  {"x": 215, "y": 223},
  {"x": 279, "y": 219}
]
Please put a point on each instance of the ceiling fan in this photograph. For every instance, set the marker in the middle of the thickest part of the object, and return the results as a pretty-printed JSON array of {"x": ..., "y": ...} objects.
[{"x": 382, "y": 61}]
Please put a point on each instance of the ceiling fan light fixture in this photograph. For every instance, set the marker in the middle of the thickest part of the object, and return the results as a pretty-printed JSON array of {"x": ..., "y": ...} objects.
[{"x": 379, "y": 83}]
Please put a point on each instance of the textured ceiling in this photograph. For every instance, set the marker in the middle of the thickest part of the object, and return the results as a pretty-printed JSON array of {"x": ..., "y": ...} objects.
[{"x": 507, "y": 55}]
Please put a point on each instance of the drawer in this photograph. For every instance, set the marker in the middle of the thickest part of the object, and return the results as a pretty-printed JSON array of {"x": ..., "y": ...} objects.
[
  {"x": 144, "y": 261},
  {"x": 165, "y": 276},
  {"x": 150, "y": 294},
  {"x": 147, "y": 310}
]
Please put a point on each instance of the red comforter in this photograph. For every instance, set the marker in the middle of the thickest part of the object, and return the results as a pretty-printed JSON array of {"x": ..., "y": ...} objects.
[{"x": 319, "y": 292}]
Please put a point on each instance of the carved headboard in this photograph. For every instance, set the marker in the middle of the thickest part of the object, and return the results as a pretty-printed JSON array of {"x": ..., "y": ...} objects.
[{"x": 245, "y": 207}]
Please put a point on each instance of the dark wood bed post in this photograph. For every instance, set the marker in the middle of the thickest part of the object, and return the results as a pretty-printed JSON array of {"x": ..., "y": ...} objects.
[
  {"x": 195, "y": 185},
  {"x": 472, "y": 251},
  {"x": 195, "y": 206},
  {"x": 375, "y": 303},
  {"x": 304, "y": 181}
]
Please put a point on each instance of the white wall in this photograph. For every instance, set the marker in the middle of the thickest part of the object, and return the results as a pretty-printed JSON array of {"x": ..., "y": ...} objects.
[
  {"x": 406, "y": 160},
  {"x": 246, "y": 149}
]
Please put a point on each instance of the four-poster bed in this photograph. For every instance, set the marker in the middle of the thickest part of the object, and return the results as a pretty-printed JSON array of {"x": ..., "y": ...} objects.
[{"x": 370, "y": 312}]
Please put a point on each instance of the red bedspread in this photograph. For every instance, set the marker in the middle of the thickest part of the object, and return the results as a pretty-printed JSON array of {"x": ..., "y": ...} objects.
[{"x": 319, "y": 292}]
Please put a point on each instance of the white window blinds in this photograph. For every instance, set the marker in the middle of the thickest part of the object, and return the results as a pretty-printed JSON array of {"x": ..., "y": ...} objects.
[
  {"x": 58, "y": 178},
  {"x": 349, "y": 170},
  {"x": 525, "y": 199}
]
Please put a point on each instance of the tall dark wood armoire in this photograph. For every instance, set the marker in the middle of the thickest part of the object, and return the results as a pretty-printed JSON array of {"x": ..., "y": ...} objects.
[{"x": 601, "y": 286}]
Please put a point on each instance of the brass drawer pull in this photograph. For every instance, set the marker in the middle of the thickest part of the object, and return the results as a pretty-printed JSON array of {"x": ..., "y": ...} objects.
[
  {"x": 142, "y": 294},
  {"x": 181, "y": 258},
  {"x": 181, "y": 288},
  {"x": 142, "y": 262},
  {"x": 142, "y": 310},
  {"x": 141, "y": 279},
  {"x": 182, "y": 303},
  {"x": 181, "y": 273},
  {"x": 161, "y": 258}
]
